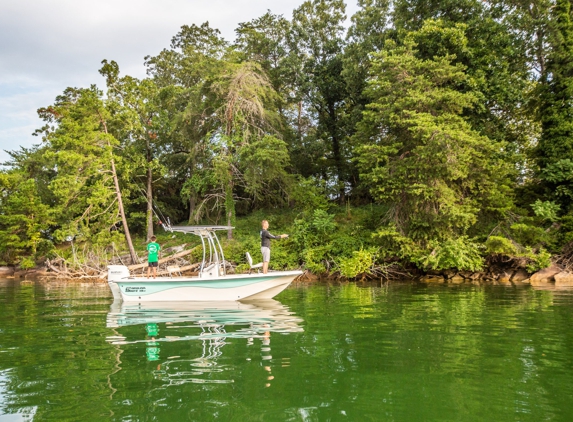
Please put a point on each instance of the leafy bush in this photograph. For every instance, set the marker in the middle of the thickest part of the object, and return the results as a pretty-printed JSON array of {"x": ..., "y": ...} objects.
[
  {"x": 44, "y": 248},
  {"x": 27, "y": 263},
  {"x": 361, "y": 262},
  {"x": 527, "y": 233},
  {"x": 537, "y": 261},
  {"x": 344, "y": 245},
  {"x": 500, "y": 245},
  {"x": 547, "y": 210},
  {"x": 315, "y": 258},
  {"x": 323, "y": 222},
  {"x": 460, "y": 254},
  {"x": 309, "y": 194}
]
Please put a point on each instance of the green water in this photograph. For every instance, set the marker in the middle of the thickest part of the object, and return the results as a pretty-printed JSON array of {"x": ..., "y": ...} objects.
[{"x": 403, "y": 352}]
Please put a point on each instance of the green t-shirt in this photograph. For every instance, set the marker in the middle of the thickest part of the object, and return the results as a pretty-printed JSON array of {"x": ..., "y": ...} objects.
[{"x": 152, "y": 251}]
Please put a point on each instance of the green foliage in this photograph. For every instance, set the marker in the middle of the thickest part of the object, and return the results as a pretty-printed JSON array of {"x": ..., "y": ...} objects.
[
  {"x": 264, "y": 163},
  {"x": 527, "y": 233},
  {"x": 23, "y": 218},
  {"x": 555, "y": 108},
  {"x": 434, "y": 115},
  {"x": 27, "y": 263},
  {"x": 361, "y": 262},
  {"x": 547, "y": 210},
  {"x": 537, "y": 261},
  {"x": 500, "y": 245},
  {"x": 460, "y": 253},
  {"x": 415, "y": 150},
  {"x": 309, "y": 194},
  {"x": 312, "y": 234}
]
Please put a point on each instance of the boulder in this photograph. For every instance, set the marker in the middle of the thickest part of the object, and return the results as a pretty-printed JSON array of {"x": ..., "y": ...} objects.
[
  {"x": 563, "y": 279},
  {"x": 520, "y": 283},
  {"x": 6, "y": 271},
  {"x": 520, "y": 276},
  {"x": 431, "y": 278},
  {"x": 544, "y": 276},
  {"x": 504, "y": 279},
  {"x": 456, "y": 279},
  {"x": 308, "y": 276},
  {"x": 449, "y": 274}
]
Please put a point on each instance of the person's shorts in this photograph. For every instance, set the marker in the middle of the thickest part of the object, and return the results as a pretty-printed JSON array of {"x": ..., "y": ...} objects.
[
  {"x": 266, "y": 253},
  {"x": 153, "y": 264}
]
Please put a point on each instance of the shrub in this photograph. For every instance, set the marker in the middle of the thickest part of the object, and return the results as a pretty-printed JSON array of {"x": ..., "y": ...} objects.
[
  {"x": 361, "y": 262},
  {"x": 500, "y": 245},
  {"x": 27, "y": 263},
  {"x": 528, "y": 234},
  {"x": 537, "y": 261},
  {"x": 460, "y": 254}
]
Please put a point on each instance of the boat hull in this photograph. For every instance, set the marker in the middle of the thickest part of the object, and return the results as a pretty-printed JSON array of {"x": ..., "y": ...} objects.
[{"x": 225, "y": 288}]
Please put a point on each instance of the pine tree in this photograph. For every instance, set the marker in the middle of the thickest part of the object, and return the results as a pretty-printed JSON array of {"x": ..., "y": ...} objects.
[{"x": 554, "y": 152}]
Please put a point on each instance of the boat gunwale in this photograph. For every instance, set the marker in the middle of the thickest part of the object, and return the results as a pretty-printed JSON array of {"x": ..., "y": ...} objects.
[{"x": 228, "y": 277}]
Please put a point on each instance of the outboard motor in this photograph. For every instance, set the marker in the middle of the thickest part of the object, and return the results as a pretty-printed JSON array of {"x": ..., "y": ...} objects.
[{"x": 114, "y": 274}]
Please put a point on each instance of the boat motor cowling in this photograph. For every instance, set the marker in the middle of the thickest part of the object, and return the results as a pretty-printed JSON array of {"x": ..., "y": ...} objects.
[{"x": 117, "y": 272}]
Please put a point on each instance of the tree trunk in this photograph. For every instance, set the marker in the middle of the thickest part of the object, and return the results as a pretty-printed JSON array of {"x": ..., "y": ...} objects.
[
  {"x": 149, "y": 193},
  {"x": 120, "y": 201},
  {"x": 149, "y": 203},
  {"x": 336, "y": 151},
  {"x": 191, "y": 208},
  {"x": 299, "y": 121},
  {"x": 229, "y": 221},
  {"x": 122, "y": 213}
]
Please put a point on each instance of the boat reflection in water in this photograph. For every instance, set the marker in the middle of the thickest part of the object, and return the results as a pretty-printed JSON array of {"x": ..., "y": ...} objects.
[{"x": 209, "y": 325}]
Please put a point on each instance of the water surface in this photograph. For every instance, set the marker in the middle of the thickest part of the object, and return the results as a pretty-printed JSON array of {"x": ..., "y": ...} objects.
[{"x": 401, "y": 352}]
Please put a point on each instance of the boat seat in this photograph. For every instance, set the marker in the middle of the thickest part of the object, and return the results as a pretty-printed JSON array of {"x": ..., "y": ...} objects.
[
  {"x": 174, "y": 269},
  {"x": 250, "y": 261}
]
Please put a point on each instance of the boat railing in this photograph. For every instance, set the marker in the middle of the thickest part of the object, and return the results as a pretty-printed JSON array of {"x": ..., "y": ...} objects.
[{"x": 210, "y": 242}]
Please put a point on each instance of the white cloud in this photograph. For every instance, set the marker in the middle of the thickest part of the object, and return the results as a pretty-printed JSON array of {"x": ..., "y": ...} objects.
[{"x": 48, "y": 45}]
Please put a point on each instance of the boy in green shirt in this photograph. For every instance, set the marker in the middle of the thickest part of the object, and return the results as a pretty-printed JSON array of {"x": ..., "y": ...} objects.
[{"x": 152, "y": 256}]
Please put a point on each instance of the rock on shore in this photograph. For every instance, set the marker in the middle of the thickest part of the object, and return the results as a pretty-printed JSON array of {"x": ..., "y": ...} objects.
[{"x": 550, "y": 277}]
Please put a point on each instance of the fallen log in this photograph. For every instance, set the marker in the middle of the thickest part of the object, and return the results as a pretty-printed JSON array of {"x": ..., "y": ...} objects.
[
  {"x": 182, "y": 269},
  {"x": 165, "y": 272},
  {"x": 53, "y": 268},
  {"x": 161, "y": 261}
]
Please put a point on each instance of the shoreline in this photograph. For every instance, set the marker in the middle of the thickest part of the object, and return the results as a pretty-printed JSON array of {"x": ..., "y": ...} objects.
[{"x": 552, "y": 276}]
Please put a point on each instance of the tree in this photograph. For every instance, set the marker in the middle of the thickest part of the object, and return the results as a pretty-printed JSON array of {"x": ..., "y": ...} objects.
[
  {"x": 135, "y": 103},
  {"x": 23, "y": 219},
  {"x": 187, "y": 76},
  {"x": 417, "y": 152},
  {"x": 554, "y": 153},
  {"x": 244, "y": 116},
  {"x": 86, "y": 199},
  {"x": 317, "y": 43}
]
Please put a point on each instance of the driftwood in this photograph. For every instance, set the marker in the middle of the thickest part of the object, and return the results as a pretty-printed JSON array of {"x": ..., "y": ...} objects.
[
  {"x": 90, "y": 265},
  {"x": 51, "y": 267},
  {"x": 161, "y": 261},
  {"x": 182, "y": 269}
]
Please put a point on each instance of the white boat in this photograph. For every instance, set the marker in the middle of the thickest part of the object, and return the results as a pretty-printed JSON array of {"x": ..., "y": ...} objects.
[{"x": 212, "y": 283}]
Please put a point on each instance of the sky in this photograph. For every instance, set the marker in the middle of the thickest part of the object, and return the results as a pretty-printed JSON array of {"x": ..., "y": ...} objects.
[{"x": 49, "y": 45}]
